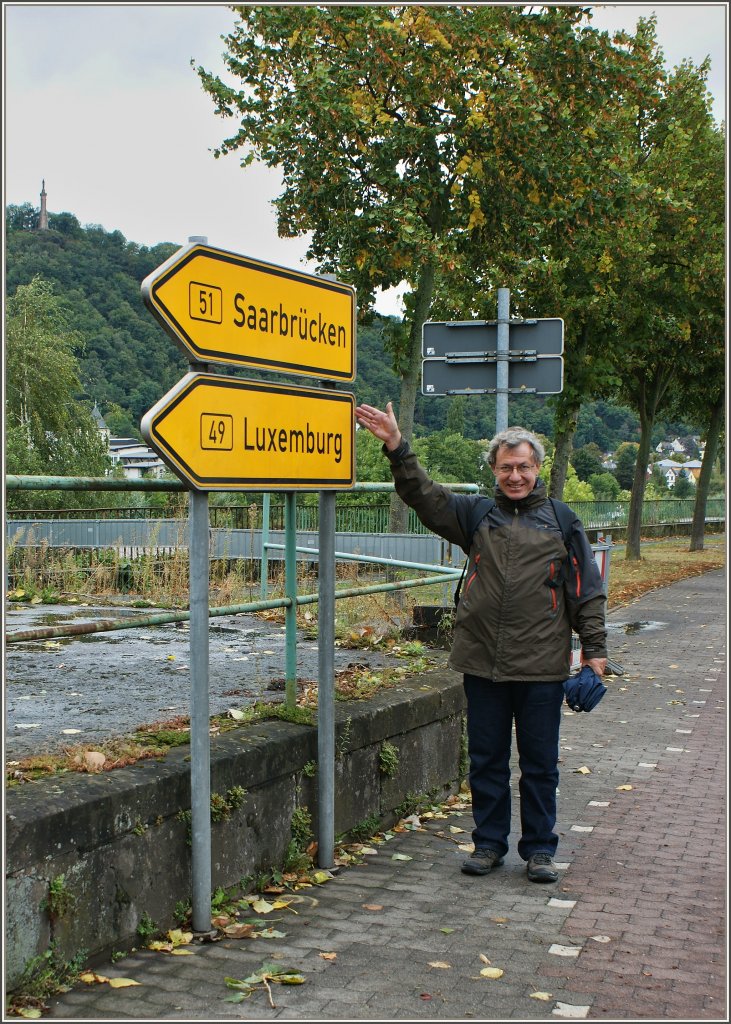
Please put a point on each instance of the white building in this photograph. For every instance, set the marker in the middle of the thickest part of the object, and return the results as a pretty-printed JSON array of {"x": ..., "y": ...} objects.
[
  {"x": 672, "y": 470},
  {"x": 135, "y": 458}
]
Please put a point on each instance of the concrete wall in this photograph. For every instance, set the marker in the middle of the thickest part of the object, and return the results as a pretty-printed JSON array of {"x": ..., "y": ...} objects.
[{"x": 119, "y": 841}]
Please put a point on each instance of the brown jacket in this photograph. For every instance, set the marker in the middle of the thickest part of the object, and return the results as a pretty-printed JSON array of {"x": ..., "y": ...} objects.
[{"x": 523, "y": 591}]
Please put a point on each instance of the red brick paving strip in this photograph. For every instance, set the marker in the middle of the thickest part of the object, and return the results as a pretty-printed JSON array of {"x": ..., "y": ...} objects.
[{"x": 652, "y": 874}]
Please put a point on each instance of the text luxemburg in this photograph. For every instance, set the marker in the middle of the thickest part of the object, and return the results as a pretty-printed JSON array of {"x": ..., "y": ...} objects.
[
  {"x": 283, "y": 323},
  {"x": 282, "y": 441}
]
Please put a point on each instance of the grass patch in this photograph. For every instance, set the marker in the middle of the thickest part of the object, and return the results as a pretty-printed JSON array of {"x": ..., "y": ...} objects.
[{"x": 662, "y": 563}]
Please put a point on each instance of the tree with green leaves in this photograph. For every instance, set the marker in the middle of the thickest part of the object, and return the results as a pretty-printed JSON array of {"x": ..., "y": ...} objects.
[
  {"x": 49, "y": 431},
  {"x": 417, "y": 143},
  {"x": 673, "y": 283},
  {"x": 626, "y": 459},
  {"x": 587, "y": 460}
]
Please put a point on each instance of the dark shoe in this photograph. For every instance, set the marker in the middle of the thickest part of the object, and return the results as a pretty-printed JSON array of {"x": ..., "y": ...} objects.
[
  {"x": 481, "y": 862},
  {"x": 541, "y": 868}
]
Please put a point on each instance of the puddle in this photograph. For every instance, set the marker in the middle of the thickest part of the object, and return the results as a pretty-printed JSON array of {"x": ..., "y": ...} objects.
[{"x": 635, "y": 627}]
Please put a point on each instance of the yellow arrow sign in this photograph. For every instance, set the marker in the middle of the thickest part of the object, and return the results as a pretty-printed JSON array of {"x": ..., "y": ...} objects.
[
  {"x": 223, "y": 434},
  {"x": 224, "y": 308}
]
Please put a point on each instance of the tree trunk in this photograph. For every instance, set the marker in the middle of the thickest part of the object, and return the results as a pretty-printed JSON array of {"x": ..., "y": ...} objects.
[
  {"x": 704, "y": 480},
  {"x": 399, "y": 513},
  {"x": 565, "y": 422},
  {"x": 647, "y": 409}
]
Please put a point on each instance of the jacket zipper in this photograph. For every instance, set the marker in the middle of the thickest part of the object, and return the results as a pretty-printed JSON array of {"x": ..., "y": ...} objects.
[
  {"x": 551, "y": 574},
  {"x": 577, "y": 572},
  {"x": 471, "y": 576}
]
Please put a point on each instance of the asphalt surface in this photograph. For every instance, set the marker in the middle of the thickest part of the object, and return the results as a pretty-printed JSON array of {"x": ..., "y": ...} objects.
[{"x": 634, "y": 928}]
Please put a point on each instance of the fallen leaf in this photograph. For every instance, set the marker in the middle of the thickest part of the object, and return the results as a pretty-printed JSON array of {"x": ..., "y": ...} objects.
[
  {"x": 179, "y": 952},
  {"x": 624, "y": 789},
  {"x": 372, "y": 906},
  {"x": 484, "y": 959},
  {"x": 236, "y": 714},
  {"x": 583, "y": 770},
  {"x": 500, "y": 920},
  {"x": 425, "y": 996},
  {"x": 121, "y": 982},
  {"x": 28, "y": 1011},
  {"x": 441, "y": 964},
  {"x": 543, "y": 996},
  {"x": 329, "y": 956},
  {"x": 454, "y": 830},
  {"x": 401, "y": 856},
  {"x": 70, "y": 732},
  {"x": 270, "y": 933},
  {"x": 91, "y": 978},
  {"x": 447, "y": 931},
  {"x": 491, "y": 972},
  {"x": 262, "y": 907},
  {"x": 239, "y": 931},
  {"x": 321, "y": 877},
  {"x": 179, "y": 938}
]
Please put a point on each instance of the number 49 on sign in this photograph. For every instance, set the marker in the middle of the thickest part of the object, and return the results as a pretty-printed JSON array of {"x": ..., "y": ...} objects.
[{"x": 217, "y": 432}]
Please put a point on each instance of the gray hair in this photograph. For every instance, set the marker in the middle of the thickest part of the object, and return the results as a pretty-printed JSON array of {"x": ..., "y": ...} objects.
[{"x": 511, "y": 438}]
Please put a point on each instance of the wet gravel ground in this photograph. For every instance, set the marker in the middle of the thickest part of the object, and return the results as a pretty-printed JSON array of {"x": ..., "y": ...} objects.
[{"x": 85, "y": 689}]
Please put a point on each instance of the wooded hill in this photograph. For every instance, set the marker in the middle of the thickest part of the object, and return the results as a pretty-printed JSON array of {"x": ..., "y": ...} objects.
[{"x": 128, "y": 362}]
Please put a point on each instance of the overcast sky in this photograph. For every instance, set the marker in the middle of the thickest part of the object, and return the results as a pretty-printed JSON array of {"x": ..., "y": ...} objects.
[{"x": 101, "y": 102}]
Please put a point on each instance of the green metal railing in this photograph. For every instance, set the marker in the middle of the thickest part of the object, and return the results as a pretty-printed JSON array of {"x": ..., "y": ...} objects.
[
  {"x": 374, "y": 518},
  {"x": 292, "y": 600}
]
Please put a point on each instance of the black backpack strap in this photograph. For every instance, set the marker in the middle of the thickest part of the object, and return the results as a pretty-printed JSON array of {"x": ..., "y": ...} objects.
[
  {"x": 566, "y": 517},
  {"x": 477, "y": 513}
]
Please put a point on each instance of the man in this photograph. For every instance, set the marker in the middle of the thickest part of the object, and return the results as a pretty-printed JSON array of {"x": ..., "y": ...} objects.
[{"x": 524, "y": 591}]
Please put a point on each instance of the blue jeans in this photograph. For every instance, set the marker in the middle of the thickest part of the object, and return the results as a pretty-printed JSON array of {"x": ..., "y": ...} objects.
[{"x": 491, "y": 709}]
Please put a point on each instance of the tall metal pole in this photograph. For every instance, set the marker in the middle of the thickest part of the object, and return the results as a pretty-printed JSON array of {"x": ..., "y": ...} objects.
[
  {"x": 290, "y": 591},
  {"x": 503, "y": 350},
  {"x": 326, "y": 683},
  {"x": 200, "y": 740},
  {"x": 200, "y": 737}
]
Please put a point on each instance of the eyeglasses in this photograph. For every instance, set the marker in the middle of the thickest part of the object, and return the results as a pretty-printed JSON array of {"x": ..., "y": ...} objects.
[{"x": 524, "y": 469}]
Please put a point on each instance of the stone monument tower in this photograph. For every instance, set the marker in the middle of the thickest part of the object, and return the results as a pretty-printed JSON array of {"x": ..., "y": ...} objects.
[{"x": 43, "y": 219}]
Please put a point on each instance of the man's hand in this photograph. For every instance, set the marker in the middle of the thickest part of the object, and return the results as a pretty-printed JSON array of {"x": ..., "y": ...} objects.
[
  {"x": 598, "y": 664},
  {"x": 381, "y": 424}
]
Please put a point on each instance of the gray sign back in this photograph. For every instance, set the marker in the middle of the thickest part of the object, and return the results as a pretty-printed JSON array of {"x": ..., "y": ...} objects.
[
  {"x": 442, "y": 338},
  {"x": 543, "y": 376}
]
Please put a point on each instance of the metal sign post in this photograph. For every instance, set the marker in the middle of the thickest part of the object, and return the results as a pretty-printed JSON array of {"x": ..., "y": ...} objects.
[
  {"x": 326, "y": 682},
  {"x": 503, "y": 349},
  {"x": 200, "y": 739}
]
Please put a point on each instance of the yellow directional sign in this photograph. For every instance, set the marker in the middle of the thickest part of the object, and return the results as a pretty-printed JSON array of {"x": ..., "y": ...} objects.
[
  {"x": 224, "y": 308},
  {"x": 223, "y": 434}
]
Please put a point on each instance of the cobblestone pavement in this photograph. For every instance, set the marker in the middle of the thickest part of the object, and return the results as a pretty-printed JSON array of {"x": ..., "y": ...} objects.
[{"x": 634, "y": 929}]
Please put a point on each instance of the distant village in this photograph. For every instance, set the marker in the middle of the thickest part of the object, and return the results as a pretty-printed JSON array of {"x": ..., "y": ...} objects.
[{"x": 137, "y": 460}]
